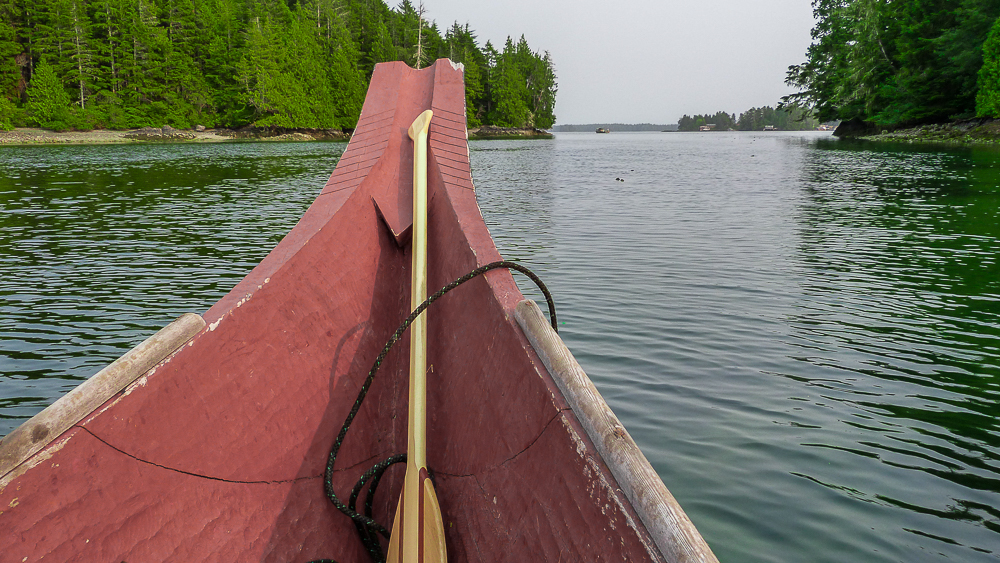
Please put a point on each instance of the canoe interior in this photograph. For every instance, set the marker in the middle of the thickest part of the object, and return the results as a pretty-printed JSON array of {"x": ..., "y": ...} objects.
[{"x": 218, "y": 453}]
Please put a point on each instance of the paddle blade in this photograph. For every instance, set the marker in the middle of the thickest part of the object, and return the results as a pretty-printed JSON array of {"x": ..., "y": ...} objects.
[
  {"x": 434, "y": 550},
  {"x": 395, "y": 555},
  {"x": 428, "y": 531}
]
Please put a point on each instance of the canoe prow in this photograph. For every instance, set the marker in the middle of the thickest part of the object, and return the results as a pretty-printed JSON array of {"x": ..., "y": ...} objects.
[{"x": 218, "y": 452}]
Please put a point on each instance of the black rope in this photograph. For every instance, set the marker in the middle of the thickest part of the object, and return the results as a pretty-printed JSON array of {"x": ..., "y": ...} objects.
[{"x": 368, "y": 528}]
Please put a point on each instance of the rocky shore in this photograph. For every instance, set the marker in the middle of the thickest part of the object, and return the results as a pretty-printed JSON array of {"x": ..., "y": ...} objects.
[
  {"x": 968, "y": 131},
  {"x": 253, "y": 133},
  {"x": 490, "y": 132},
  {"x": 33, "y": 136}
]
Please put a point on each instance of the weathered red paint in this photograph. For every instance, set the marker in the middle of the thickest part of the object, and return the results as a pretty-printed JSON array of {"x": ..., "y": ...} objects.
[{"x": 218, "y": 454}]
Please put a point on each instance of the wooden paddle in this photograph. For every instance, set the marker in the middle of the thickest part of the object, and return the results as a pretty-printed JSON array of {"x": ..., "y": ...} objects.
[{"x": 417, "y": 530}]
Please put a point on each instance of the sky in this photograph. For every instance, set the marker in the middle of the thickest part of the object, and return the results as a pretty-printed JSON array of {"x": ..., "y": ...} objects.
[{"x": 648, "y": 61}]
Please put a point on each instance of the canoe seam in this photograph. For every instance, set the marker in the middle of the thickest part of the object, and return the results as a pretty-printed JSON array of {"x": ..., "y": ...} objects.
[
  {"x": 534, "y": 440},
  {"x": 191, "y": 473}
]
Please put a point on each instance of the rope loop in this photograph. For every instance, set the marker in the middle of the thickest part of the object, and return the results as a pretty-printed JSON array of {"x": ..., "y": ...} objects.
[{"x": 368, "y": 528}]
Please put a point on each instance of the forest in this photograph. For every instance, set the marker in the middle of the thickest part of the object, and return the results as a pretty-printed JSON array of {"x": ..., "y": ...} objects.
[
  {"x": 904, "y": 62},
  {"x": 120, "y": 64},
  {"x": 754, "y": 119}
]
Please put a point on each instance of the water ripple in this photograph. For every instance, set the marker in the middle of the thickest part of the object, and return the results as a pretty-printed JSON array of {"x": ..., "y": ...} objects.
[
  {"x": 805, "y": 344},
  {"x": 102, "y": 246}
]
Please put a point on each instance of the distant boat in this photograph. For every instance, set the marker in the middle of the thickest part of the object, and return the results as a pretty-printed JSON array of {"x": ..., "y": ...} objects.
[{"x": 603, "y": 130}]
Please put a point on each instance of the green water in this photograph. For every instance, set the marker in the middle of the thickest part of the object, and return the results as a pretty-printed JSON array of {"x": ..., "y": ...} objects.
[
  {"x": 803, "y": 335},
  {"x": 101, "y": 246}
]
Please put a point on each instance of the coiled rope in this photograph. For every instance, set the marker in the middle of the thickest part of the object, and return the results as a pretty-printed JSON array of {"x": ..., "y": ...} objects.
[{"x": 368, "y": 528}]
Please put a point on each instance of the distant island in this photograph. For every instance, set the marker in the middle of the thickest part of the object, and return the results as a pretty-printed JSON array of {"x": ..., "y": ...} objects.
[
  {"x": 764, "y": 118},
  {"x": 75, "y": 65},
  {"x": 591, "y": 127},
  {"x": 754, "y": 119}
]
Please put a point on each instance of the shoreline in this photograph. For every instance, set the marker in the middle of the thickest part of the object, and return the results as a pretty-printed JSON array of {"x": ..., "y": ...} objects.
[
  {"x": 490, "y": 132},
  {"x": 966, "y": 132},
  {"x": 22, "y": 136},
  {"x": 38, "y": 136}
]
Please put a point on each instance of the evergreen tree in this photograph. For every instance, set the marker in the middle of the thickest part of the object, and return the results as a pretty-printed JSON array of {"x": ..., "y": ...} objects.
[
  {"x": 109, "y": 50},
  {"x": 988, "y": 96},
  {"x": 7, "y": 110},
  {"x": 461, "y": 45},
  {"x": 261, "y": 74},
  {"x": 509, "y": 92},
  {"x": 381, "y": 49},
  {"x": 410, "y": 30},
  {"x": 48, "y": 103},
  {"x": 224, "y": 48},
  {"x": 347, "y": 82},
  {"x": 10, "y": 72},
  {"x": 543, "y": 88},
  {"x": 186, "y": 91},
  {"x": 81, "y": 55},
  {"x": 143, "y": 66}
]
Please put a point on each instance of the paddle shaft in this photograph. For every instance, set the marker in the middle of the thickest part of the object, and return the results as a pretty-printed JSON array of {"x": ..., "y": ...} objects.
[
  {"x": 418, "y": 530},
  {"x": 417, "y": 421}
]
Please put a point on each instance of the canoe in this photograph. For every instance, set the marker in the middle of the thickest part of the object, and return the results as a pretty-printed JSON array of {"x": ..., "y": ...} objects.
[{"x": 210, "y": 441}]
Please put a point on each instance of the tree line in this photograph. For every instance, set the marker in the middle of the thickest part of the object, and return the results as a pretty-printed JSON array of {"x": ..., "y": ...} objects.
[
  {"x": 754, "y": 119},
  {"x": 118, "y": 64},
  {"x": 901, "y": 62}
]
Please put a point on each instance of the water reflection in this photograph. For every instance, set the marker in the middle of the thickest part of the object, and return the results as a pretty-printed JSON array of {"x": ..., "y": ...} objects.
[{"x": 900, "y": 325}]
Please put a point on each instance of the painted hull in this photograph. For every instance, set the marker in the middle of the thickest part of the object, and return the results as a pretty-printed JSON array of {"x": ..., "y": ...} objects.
[{"x": 217, "y": 452}]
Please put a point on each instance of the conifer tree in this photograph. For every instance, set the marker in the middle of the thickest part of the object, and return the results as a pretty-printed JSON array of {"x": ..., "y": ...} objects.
[
  {"x": 10, "y": 72},
  {"x": 461, "y": 47},
  {"x": 7, "y": 110},
  {"x": 223, "y": 23},
  {"x": 48, "y": 103},
  {"x": 81, "y": 54},
  {"x": 988, "y": 96},
  {"x": 107, "y": 34},
  {"x": 509, "y": 92}
]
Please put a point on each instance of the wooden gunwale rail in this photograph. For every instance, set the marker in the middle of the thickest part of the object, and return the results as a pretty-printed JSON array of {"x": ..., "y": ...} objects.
[
  {"x": 672, "y": 531},
  {"x": 45, "y": 427}
]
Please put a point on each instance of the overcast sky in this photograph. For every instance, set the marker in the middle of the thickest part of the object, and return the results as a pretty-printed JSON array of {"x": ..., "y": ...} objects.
[{"x": 635, "y": 61}]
